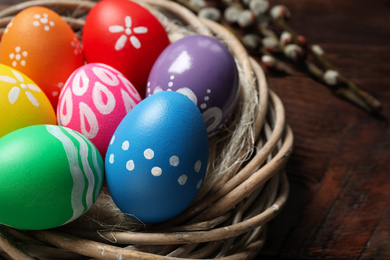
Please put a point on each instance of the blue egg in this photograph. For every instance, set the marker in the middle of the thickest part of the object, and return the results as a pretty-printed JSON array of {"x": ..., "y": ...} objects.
[{"x": 157, "y": 158}]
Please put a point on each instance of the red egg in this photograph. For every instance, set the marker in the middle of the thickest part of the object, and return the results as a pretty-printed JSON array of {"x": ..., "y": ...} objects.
[{"x": 126, "y": 36}]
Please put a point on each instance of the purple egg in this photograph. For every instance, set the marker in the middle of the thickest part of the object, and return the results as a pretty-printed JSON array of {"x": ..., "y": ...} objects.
[{"x": 203, "y": 69}]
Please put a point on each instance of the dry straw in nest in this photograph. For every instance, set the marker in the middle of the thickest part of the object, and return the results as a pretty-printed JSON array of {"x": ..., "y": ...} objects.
[{"x": 245, "y": 186}]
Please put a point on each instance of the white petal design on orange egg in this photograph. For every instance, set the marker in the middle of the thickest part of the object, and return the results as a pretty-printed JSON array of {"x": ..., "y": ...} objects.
[
  {"x": 87, "y": 116},
  {"x": 18, "y": 57},
  {"x": 44, "y": 20},
  {"x": 75, "y": 43},
  {"x": 127, "y": 32},
  {"x": 8, "y": 26}
]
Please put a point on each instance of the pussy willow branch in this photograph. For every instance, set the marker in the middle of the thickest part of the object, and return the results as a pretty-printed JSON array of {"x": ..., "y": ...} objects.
[
  {"x": 343, "y": 87},
  {"x": 359, "y": 96}
]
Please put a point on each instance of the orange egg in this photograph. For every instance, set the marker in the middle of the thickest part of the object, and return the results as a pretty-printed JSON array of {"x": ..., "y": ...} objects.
[{"x": 39, "y": 43}]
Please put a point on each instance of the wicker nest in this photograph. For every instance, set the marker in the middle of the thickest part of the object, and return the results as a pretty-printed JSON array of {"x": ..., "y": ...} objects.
[{"x": 245, "y": 186}]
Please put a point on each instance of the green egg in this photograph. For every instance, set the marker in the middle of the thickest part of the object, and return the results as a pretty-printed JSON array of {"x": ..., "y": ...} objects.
[{"x": 49, "y": 176}]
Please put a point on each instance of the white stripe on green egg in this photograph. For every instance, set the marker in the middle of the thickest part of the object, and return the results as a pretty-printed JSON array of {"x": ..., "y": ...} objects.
[
  {"x": 97, "y": 170},
  {"x": 78, "y": 180},
  {"x": 92, "y": 173},
  {"x": 86, "y": 167}
]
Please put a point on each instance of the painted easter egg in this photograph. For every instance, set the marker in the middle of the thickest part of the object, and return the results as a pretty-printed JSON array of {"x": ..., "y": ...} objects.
[
  {"x": 157, "y": 158},
  {"x": 39, "y": 43},
  {"x": 203, "y": 69},
  {"x": 22, "y": 102},
  {"x": 49, "y": 176},
  {"x": 126, "y": 36},
  {"x": 94, "y": 101}
]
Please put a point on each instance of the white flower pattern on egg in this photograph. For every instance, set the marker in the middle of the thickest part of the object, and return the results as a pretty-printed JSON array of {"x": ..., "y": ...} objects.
[
  {"x": 75, "y": 43},
  {"x": 14, "y": 93},
  {"x": 18, "y": 57},
  {"x": 127, "y": 32},
  {"x": 44, "y": 21},
  {"x": 8, "y": 26}
]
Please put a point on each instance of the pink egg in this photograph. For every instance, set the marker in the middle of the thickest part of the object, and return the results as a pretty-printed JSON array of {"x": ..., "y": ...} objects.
[{"x": 94, "y": 101}]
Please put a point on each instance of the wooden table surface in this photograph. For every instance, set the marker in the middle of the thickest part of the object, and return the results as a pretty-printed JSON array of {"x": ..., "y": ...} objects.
[{"x": 339, "y": 172}]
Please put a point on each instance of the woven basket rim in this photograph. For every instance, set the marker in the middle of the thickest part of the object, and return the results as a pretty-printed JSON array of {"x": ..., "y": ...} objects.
[{"x": 215, "y": 223}]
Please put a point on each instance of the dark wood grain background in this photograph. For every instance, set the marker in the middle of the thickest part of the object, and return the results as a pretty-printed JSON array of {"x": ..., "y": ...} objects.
[
  {"x": 339, "y": 204},
  {"x": 339, "y": 172}
]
